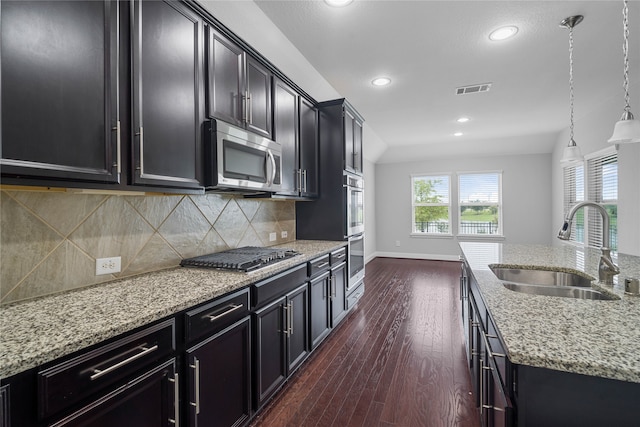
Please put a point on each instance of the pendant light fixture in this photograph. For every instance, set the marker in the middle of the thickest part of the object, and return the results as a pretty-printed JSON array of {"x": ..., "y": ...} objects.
[
  {"x": 626, "y": 130},
  {"x": 572, "y": 153}
]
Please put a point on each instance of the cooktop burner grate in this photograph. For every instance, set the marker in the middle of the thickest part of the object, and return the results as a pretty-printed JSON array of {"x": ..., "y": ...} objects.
[{"x": 248, "y": 258}]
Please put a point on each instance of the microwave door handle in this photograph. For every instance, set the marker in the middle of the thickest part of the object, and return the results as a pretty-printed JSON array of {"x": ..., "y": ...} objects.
[{"x": 273, "y": 167}]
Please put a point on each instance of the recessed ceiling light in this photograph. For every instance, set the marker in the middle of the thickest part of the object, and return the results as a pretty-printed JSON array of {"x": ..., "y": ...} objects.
[
  {"x": 381, "y": 81},
  {"x": 337, "y": 3},
  {"x": 463, "y": 119},
  {"x": 503, "y": 33},
  {"x": 458, "y": 134}
]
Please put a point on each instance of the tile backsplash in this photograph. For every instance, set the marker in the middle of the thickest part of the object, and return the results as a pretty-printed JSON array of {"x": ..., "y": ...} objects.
[{"x": 49, "y": 241}]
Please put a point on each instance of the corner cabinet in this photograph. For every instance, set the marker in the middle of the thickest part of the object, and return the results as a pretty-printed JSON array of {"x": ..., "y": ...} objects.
[
  {"x": 60, "y": 112},
  {"x": 296, "y": 129},
  {"x": 168, "y": 88},
  {"x": 239, "y": 87}
]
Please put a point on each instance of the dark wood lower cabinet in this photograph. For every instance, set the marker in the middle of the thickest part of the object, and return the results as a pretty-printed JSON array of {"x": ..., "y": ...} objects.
[
  {"x": 219, "y": 378},
  {"x": 281, "y": 343},
  {"x": 319, "y": 309},
  {"x": 338, "y": 298},
  {"x": 148, "y": 400},
  {"x": 4, "y": 406}
]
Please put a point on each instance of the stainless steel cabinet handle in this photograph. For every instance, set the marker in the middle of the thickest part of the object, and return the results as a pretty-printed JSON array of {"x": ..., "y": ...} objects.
[
  {"x": 232, "y": 308},
  {"x": 298, "y": 180},
  {"x": 304, "y": 180},
  {"x": 140, "y": 134},
  {"x": 118, "y": 164},
  {"x": 481, "y": 385},
  {"x": 285, "y": 325},
  {"x": 176, "y": 400},
  {"x": 196, "y": 376},
  {"x": 243, "y": 107},
  {"x": 321, "y": 265},
  {"x": 99, "y": 373},
  {"x": 358, "y": 295},
  {"x": 250, "y": 107},
  {"x": 342, "y": 255},
  {"x": 291, "y": 318}
]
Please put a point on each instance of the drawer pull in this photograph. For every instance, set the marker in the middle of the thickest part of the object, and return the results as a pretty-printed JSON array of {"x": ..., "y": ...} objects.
[
  {"x": 232, "y": 308},
  {"x": 99, "y": 373},
  {"x": 340, "y": 256},
  {"x": 176, "y": 400},
  {"x": 498, "y": 355},
  {"x": 196, "y": 374},
  {"x": 491, "y": 336},
  {"x": 322, "y": 265},
  {"x": 357, "y": 296}
]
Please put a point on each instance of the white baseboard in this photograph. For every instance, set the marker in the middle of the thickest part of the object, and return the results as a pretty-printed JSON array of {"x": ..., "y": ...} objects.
[{"x": 434, "y": 257}]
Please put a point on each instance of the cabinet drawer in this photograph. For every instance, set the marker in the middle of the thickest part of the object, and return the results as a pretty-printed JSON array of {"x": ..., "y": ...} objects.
[
  {"x": 67, "y": 383},
  {"x": 355, "y": 296},
  {"x": 216, "y": 315},
  {"x": 276, "y": 286},
  {"x": 338, "y": 256},
  {"x": 498, "y": 353},
  {"x": 319, "y": 265}
]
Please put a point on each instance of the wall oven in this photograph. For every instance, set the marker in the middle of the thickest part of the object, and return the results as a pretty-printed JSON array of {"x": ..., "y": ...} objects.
[
  {"x": 238, "y": 160},
  {"x": 354, "y": 193},
  {"x": 356, "y": 260}
]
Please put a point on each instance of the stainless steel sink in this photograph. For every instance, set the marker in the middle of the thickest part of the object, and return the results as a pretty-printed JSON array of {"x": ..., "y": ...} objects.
[
  {"x": 559, "y": 291},
  {"x": 542, "y": 277}
]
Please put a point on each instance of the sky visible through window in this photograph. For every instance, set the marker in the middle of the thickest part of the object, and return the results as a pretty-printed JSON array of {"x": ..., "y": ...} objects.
[{"x": 479, "y": 188}]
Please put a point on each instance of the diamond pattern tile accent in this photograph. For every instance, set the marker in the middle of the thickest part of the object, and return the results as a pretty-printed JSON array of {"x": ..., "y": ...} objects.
[{"x": 148, "y": 232}]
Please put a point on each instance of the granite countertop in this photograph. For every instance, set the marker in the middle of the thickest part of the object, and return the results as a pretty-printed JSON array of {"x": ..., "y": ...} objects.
[
  {"x": 39, "y": 331},
  {"x": 591, "y": 337}
]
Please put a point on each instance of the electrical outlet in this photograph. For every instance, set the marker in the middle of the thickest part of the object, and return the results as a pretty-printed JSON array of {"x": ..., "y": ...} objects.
[
  {"x": 284, "y": 234},
  {"x": 398, "y": 243},
  {"x": 108, "y": 265},
  {"x": 273, "y": 236}
]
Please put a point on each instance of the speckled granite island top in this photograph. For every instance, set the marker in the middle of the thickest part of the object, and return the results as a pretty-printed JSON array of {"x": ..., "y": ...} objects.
[
  {"x": 39, "y": 331},
  {"x": 590, "y": 337}
]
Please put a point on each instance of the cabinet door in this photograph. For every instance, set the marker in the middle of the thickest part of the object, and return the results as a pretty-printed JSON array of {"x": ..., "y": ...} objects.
[
  {"x": 149, "y": 400},
  {"x": 357, "y": 147},
  {"x": 59, "y": 69},
  {"x": 319, "y": 309},
  {"x": 309, "y": 148},
  {"x": 298, "y": 328},
  {"x": 349, "y": 121},
  {"x": 168, "y": 93},
  {"x": 258, "y": 87},
  {"x": 225, "y": 79},
  {"x": 270, "y": 352},
  {"x": 339, "y": 281},
  {"x": 285, "y": 132},
  {"x": 219, "y": 379}
]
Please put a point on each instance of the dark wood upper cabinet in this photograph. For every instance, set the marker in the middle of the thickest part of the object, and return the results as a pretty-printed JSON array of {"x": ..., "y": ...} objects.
[
  {"x": 60, "y": 113},
  {"x": 296, "y": 129},
  {"x": 285, "y": 115},
  {"x": 352, "y": 141},
  {"x": 239, "y": 87},
  {"x": 168, "y": 104}
]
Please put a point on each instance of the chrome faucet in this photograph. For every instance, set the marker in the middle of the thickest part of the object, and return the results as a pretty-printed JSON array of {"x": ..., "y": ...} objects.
[{"x": 606, "y": 268}]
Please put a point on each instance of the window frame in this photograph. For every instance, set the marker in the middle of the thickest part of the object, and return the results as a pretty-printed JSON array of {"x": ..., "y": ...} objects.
[
  {"x": 499, "y": 234},
  {"x": 414, "y": 232}
]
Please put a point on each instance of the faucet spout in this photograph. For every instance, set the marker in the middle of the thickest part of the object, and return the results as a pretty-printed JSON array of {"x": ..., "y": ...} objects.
[{"x": 606, "y": 268}]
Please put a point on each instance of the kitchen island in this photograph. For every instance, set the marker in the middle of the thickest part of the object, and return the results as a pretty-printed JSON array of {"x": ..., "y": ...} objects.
[{"x": 568, "y": 359}]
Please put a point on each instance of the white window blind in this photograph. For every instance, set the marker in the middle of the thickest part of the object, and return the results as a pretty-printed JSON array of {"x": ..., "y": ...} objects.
[
  {"x": 602, "y": 187},
  {"x": 574, "y": 193},
  {"x": 431, "y": 204},
  {"x": 480, "y": 203}
]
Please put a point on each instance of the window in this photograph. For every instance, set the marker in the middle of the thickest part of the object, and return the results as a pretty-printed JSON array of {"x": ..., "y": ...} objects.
[
  {"x": 431, "y": 209},
  {"x": 599, "y": 184},
  {"x": 574, "y": 193},
  {"x": 602, "y": 187},
  {"x": 480, "y": 196}
]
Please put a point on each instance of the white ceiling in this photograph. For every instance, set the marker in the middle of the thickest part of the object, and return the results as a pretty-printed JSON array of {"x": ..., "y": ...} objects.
[{"x": 428, "y": 48}]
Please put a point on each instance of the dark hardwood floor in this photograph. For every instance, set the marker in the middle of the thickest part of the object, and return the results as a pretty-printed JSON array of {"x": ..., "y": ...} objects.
[{"x": 396, "y": 360}]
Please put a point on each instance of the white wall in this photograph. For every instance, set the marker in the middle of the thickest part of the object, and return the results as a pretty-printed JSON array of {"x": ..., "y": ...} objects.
[
  {"x": 370, "y": 240},
  {"x": 591, "y": 133},
  {"x": 526, "y": 198}
]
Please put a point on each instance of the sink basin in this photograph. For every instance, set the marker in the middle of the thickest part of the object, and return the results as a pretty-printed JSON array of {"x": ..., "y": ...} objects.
[
  {"x": 559, "y": 291},
  {"x": 542, "y": 277}
]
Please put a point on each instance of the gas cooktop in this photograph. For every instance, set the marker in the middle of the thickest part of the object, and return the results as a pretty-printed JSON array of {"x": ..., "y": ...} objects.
[{"x": 247, "y": 259}]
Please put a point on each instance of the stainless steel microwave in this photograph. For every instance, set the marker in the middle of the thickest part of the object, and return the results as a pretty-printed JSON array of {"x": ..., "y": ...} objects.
[{"x": 238, "y": 160}]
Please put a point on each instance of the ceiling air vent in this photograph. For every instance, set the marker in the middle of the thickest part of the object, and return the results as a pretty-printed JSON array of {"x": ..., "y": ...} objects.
[{"x": 482, "y": 87}]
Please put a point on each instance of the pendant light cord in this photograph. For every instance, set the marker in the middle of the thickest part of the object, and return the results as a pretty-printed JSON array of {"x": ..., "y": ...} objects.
[
  {"x": 625, "y": 52},
  {"x": 571, "y": 141}
]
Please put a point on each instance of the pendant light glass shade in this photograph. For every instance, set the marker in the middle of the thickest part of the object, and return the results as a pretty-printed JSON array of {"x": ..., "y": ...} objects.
[
  {"x": 571, "y": 153},
  {"x": 627, "y": 129}
]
